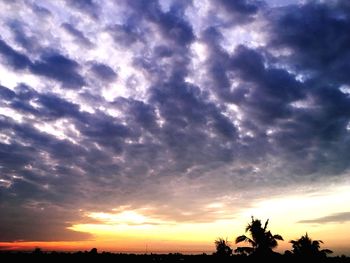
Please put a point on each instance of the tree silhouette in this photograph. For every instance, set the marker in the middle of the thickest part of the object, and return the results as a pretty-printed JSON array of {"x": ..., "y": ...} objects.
[
  {"x": 306, "y": 247},
  {"x": 222, "y": 247},
  {"x": 37, "y": 251},
  {"x": 93, "y": 251},
  {"x": 262, "y": 241}
]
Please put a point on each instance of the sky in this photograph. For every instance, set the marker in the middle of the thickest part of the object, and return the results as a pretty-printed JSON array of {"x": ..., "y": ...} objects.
[{"x": 162, "y": 125}]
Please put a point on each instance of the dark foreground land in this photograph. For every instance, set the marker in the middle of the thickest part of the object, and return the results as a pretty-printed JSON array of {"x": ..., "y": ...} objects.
[{"x": 164, "y": 258}]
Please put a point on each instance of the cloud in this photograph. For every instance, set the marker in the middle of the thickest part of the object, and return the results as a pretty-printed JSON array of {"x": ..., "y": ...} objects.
[
  {"x": 235, "y": 13},
  {"x": 87, "y": 6},
  {"x": 170, "y": 24},
  {"x": 103, "y": 72},
  {"x": 241, "y": 6},
  {"x": 58, "y": 67},
  {"x": 126, "y": 34},
  {"x": 19, "y": 30},
  {"x": 316, "y": 53},
  {"x": 333, "y": 218},
  {"x": 81, "y": 38},
  {"x": 6, "y": 93},
  {"x": 52, "y": 65},
  {"x": 40, "y": 10},
  {"x": 46, "y": 224},
  {"x": 315, "y": 32},
  {"x": 14, "y": 58}
]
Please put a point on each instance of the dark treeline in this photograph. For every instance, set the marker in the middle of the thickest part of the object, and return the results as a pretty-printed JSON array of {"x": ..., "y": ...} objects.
[{"x": 176, "y": 257}]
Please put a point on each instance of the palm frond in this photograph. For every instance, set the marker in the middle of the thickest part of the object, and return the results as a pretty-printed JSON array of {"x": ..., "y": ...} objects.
[
  {"x": 278, "y": 237},
  {"x": 266, "y": 223},
  {"x": 241, "y": 239},
  {"x": 326, "y": 251}
]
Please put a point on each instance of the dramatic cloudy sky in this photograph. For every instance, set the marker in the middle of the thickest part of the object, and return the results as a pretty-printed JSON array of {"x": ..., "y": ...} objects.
[{"x": 173, "y": 120}]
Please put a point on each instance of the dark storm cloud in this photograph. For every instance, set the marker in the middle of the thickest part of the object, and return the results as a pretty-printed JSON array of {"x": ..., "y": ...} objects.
[
  {"x": 128, "y": 33},
  {"x": 182, "y": 105},
  {"x": 56, "y": 107},
  {"x": 99, "y": 128},
  {"x": 263, "y": 93},
  {"x": 58, "y": 67},
  {"x": 89, "y": 7},
  {"x": 317, "y": 34},
  {"x": 268, "y": 90},
  {"x": 80, "y": 37},
  {"x": 30, "y": 43},
  {"x": 333, "y": 218},
  {"x": 20, "y": 101},
  {"x": 52, "y": 65},
  {"x": 103, "y": 72},
  {"x": 244, "y": 7},
  {"x": 139, "y": 112},
  {"x": 25, "y": 92},
  {"x": 28, "y": 135},
  {"x": 51, "y": 106},
  {"x": 174, "y": 27},
  {"x": 6, "y": 93},
  {"x": 14, "y": 58},
  {"x": 236, "y": 13},
  {"x": 38, "y": 181},
  {"x": 187, "y": 116},
  {"x": 55, "y": 181},
  {"x": 103, "y": 127},
  {"x": 13, "y": 157},
  {"x": 188, "y": 122},
  {"x": 217, "y": 64},
  {"x": 163, "y": 51},
  {"x": 171, "y": 23}
]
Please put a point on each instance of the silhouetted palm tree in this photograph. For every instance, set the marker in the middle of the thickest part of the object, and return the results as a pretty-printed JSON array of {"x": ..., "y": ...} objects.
[
  {"x": 222, "y": 247},
  {"x": 262, "y": 241},
  {"x": 306, "y": 247}
]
